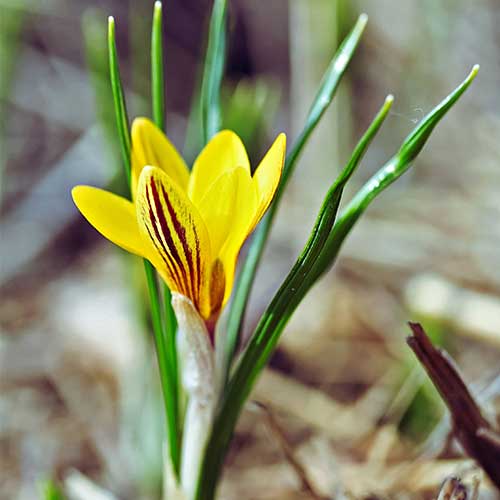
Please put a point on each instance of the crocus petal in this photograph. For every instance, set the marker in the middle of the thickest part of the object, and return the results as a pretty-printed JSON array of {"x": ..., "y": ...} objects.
[
  {"x": 113, "y": 216},
  {"x": 225, "y": 151},
  {"x": 268, "y": 173},
  {"x": 172, "y": 223},
  {"x": 228, "y": 209},
  {"x": 150, "y": 146}
]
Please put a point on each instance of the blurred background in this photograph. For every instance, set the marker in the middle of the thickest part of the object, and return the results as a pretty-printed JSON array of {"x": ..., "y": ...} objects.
[{"x": 345, "y": 410}]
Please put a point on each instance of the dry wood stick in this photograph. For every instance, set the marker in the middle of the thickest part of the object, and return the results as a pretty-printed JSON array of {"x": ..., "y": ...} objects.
[{"x": 479, "y": 440}]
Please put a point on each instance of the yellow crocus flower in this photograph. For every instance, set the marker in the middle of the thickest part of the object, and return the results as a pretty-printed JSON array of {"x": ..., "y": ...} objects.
[{"x": 189, "y": 225}]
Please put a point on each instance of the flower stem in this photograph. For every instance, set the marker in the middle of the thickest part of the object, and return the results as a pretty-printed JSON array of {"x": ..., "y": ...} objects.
[{"x": 198, "y": 379}]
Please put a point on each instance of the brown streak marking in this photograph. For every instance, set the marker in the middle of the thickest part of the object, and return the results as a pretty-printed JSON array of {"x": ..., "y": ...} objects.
[
  {"x": 198, "y": 263},
  {"x": 169, "y": 247},
  {"x": 163, "y": 221},
  {"x": 181, "y": 233},
  {"x": 158, "y": 242},
  {"x": 170, "y": 269},
  {"x": 178, "y": 267},
  {"x": 166, "y": 257}
]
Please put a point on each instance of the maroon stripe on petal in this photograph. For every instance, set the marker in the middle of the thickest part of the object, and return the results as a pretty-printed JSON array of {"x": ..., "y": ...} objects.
[
  {"x": 168, "y": 263},
  {"x": 198, "y": 263},
  {"x": 188, "y": 252},
  {"x": 168, "y": 236},
  {"x": 173, "y": 262}
]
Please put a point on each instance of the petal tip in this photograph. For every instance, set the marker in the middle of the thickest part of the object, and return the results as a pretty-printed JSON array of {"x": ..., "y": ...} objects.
[
  {"x": 280, "y": 146},
  {"x": 148, "y": 170},
  {"x": 146, "y": 173},
  {"x": 227, "y": 135},
  {"x": 281, "y": 140},
  {"x": 77, "y": 192},
  {"x": 227, "y": 131},
  {"x": 140, "y": 122}
]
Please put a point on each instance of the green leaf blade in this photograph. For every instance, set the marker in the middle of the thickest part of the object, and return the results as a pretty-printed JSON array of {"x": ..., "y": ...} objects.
[
  {"x": 213, "y": 71},
  {"x": 166, "y": 347},
  {"x": 291, "y": 292},
  {"x": 157, "y": 72},
  {"x": 417, "y": 139},
  {"x": 122, "y": 122},
  {"x": 389, "y": 173},
  {"x": 323, "y": 99}
]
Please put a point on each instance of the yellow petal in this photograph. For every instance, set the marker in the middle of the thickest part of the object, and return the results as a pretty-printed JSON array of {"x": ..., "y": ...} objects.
[
  {"x": 225, "y": 151},
  {"x": 268, "y": 173},
  {"x": 150, "y": 146},
  {"x": 228, "y": 209},
  {"x": 170, "y": 221},
  {"x": 113, "y": 216}
]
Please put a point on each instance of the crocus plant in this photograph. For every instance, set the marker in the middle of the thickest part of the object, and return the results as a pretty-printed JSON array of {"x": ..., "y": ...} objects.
[{"x": 189, "y": 226}]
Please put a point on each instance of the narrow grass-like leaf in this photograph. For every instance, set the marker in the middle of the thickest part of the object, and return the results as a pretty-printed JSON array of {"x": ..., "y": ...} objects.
[
  {"x": 213, "y": 71},
  {"x": 391, "y": 171},
  {"x": 119, "y": 99},
  {"x": 158, "y": 106},
  {"x": 169, "y": 395},
  {"x": 168, "y": 380},
  {"x": 326, "y": 92},
  {"x": 275, "y": 317},
  {"x": 157, "y": 73}
]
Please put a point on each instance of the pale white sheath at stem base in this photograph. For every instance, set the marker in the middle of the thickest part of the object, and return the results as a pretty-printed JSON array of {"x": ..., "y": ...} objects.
[{"x": 196, "y": 357}]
